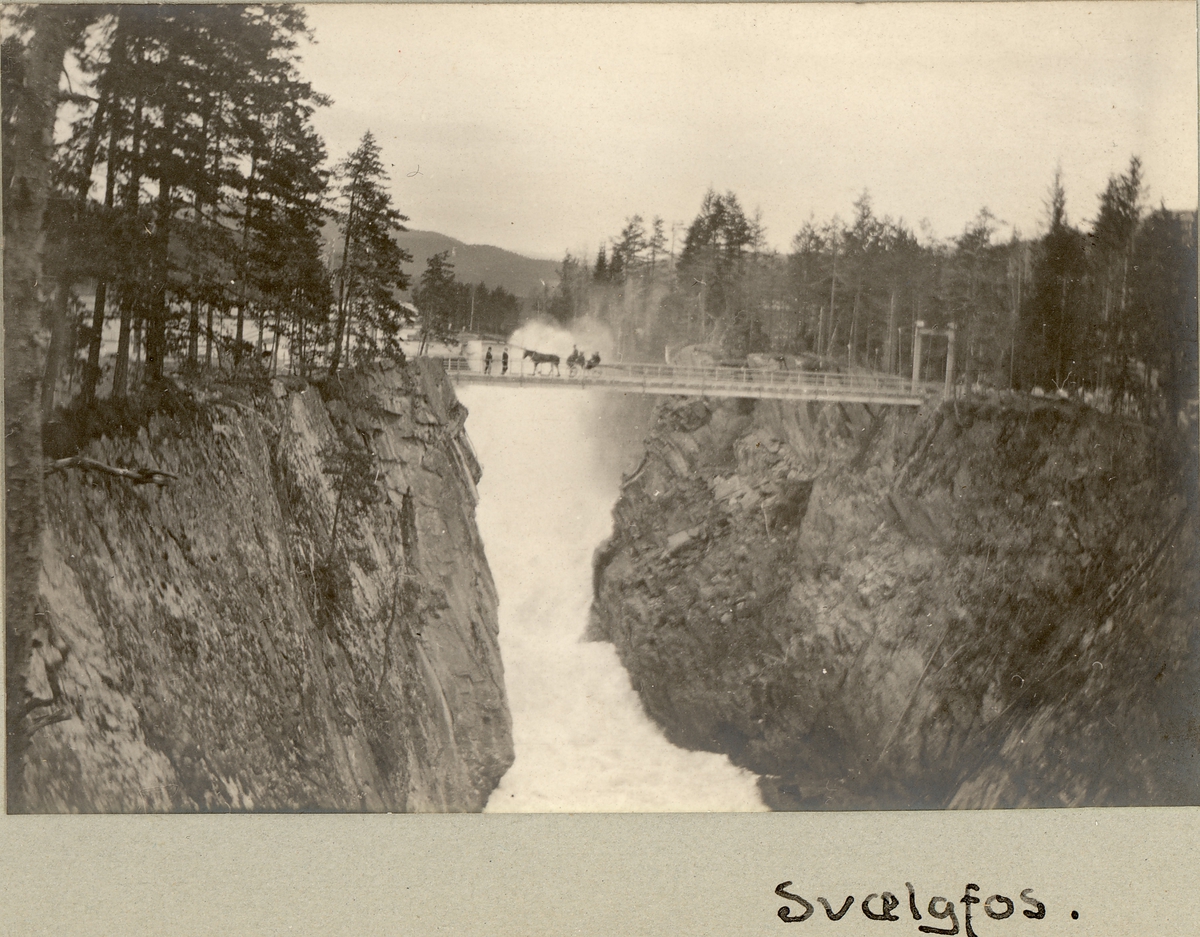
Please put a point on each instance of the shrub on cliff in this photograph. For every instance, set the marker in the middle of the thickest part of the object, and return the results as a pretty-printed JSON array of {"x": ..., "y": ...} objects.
[{"x": 352, "y": 471}]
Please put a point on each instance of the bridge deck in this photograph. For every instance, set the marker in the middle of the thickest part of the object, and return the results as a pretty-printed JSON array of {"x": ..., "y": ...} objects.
[{"x": 668, "y": 379}]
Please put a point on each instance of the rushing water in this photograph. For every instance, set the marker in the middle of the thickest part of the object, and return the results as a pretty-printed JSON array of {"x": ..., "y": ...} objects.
[{"x": 583, "y": 741}]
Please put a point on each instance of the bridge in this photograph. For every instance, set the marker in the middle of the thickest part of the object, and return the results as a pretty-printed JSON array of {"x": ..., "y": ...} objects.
[{"x": 666, "y": 379}]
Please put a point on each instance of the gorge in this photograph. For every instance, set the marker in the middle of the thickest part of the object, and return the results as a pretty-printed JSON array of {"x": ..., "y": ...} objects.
[{"x": 987, "y": 603}]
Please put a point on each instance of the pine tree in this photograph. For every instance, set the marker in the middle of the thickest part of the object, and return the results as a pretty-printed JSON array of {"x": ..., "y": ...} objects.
[
  {"x": 616, "y": 267},
  {"x": 627, "y": 250},
  {"x": 1053, "y": 316},
  {"x": 859, "y": 244},
  {"x": 371, "y": 267},
  {"x": 1161, "y": 322},
  {"x": 1111, "y": 245},
  {"x": 600, "y": 271},
  {"x": 286, "y": 248},
  {"x": 569, "y": 294},
  {"x": 808, "y": 275},
  {"x": 901, "y": 259},
  {"x": 656, "y": 244},
  {"x": 713, "y": 258},
  {"x": 437, "y": 298},
  {"x": 976, "y": 295}
]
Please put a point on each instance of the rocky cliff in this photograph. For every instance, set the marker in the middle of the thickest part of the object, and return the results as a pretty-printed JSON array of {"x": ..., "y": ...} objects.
[
  {"x": 980, "y": 605},
  {"x": 302, "y": 620}
]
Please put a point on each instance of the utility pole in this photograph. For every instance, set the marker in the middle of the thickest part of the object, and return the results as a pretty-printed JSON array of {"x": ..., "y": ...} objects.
[
  {"x": 1012, "y": 347},
  {"x": 949, "y": 388},
  {"x": 916, "y": 374},
  {"x": 1058, "y": 343},
  {"x": 832, "y": 295}
]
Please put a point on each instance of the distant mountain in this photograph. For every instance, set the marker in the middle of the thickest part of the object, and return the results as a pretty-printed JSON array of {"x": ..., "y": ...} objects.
[{"x": 474, "y": 263}]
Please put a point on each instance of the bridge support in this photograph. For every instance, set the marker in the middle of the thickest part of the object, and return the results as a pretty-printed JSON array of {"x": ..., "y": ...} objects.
[
  {"x": 921, "y": 331},
  {"x": 948, "y": 392}
]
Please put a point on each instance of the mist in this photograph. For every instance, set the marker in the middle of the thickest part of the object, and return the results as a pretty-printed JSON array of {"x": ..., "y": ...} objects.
[
  {"x": 586, "y": 334},
  {"x": 552, "y": 461}
]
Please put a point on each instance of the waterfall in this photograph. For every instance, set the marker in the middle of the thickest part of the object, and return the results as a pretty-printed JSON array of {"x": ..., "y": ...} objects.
[{"x": 583, "y": 741}]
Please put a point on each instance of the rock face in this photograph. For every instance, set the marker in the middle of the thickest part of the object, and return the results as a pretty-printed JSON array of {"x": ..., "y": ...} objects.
[
  {"x": 205, "y": 646},
  {"x": 974, "y": 606}
]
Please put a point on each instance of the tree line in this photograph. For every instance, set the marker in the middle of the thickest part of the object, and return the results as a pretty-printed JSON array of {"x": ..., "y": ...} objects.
[
  {"x": 192, "y": 185},
  {"x": 1108, "y": 309}
]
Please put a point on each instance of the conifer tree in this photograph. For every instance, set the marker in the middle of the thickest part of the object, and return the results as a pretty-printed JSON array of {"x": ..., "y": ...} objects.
[
  {"x": 1111, "y": 245},
  {"x": 437, "y": 298},
  {"x": 371, "y": 266},
  {"x": 285, "y": 251},
  {"x": 600, "y": 271},
  {"x": 712, "y": 258},
  {"x": 568, "y": 296},
  {"x": 629, "y": 247},
  {"x": 1053, "y": 314},
  {"x": 1160, "y": 332},
  {"x": 656, "y": 244}
]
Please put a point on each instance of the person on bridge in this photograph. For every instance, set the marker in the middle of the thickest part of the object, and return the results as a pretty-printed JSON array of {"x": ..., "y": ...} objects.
[
  {"x": 504, "y": 362},
  {"x": 593, "y": 361},
  {"x": 487, "y": 361}
]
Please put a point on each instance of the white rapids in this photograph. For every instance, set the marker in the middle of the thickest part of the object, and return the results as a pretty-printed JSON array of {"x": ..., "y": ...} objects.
[{"x": 583, "y": 741}]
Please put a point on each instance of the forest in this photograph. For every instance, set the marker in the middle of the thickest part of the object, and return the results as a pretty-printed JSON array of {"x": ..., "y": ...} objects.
[
  {"x": 1106, "y": 309},
  {"x": 191, "y": 190}
]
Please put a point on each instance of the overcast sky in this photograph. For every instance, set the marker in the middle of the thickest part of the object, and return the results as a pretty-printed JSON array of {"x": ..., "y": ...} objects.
[{"x": 540, "y": 128}]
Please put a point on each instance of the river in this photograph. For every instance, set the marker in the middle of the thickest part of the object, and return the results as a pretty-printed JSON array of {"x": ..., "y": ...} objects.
[{"x": 551, "y": 475}]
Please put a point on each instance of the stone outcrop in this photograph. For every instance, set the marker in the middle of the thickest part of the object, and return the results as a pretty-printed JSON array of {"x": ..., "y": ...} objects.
[
  {"x": 206, "y": 646},
  {"x": 979, "y": 605}
]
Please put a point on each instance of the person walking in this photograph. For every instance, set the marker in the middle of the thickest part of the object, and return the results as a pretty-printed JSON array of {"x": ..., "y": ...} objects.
[
  {"x": 487, "y": 361},
  {"x": 504, "y": 362}
]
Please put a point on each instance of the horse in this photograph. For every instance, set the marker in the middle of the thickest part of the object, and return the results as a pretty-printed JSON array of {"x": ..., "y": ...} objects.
[
  {"x": 575, "y": 361},
  {"x": 540, "y": 359}
]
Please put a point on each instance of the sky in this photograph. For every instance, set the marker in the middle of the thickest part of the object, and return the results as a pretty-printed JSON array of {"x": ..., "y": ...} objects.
[{"x": 541, "y": 128}]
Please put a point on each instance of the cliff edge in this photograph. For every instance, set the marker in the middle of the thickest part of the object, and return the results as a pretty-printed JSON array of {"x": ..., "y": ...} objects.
[
  {"x": 303, "y": 619},
  {"x": 986, "y": 604}
]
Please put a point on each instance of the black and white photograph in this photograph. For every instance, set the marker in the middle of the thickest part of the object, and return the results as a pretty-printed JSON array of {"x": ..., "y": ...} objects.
[{"x": 600, "y": 408}]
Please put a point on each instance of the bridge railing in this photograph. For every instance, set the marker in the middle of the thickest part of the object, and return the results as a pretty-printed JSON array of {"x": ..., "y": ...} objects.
[
  {"x": 760, "y": 376},
  {"x": 665, "y": 377}
]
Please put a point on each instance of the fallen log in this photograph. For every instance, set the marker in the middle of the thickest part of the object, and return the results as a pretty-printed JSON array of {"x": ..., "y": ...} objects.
[{"x": 139, "y": 476}]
